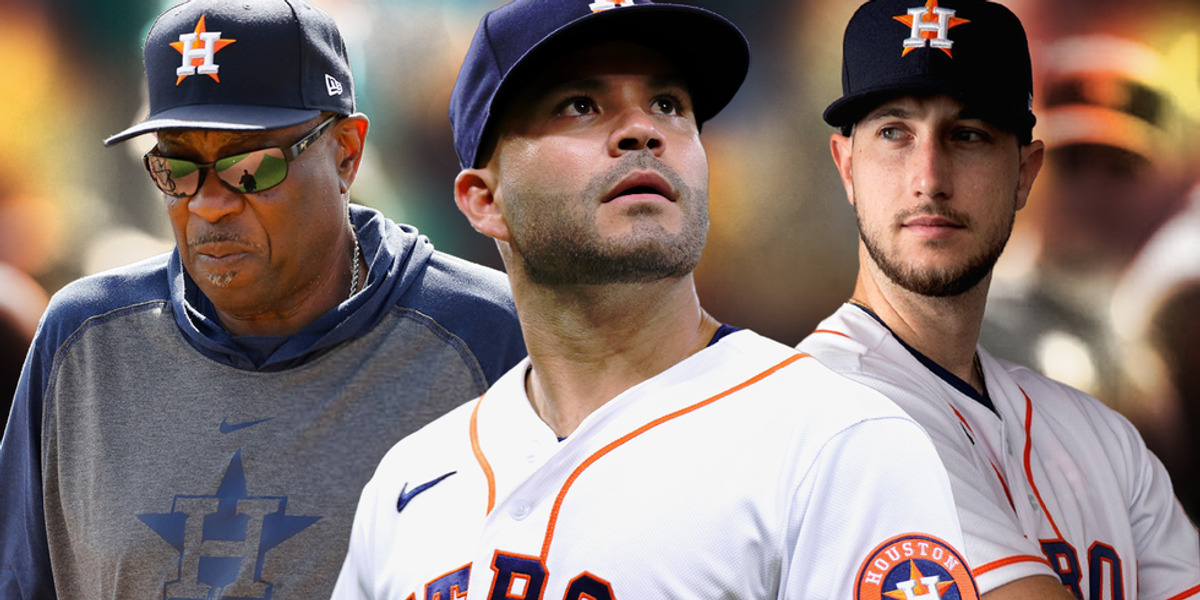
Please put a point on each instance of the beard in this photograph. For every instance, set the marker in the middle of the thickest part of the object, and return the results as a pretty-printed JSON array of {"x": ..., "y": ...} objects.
[
  {"x": 560, "y": 243},
  {"x": 945, "y": 282}
]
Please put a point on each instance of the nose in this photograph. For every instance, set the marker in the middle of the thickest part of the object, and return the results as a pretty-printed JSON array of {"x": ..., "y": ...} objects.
[
  {"x": 931, "y": 170},
  {"x": 636, "y": 131},
  {"x": 214, "y": 201}
]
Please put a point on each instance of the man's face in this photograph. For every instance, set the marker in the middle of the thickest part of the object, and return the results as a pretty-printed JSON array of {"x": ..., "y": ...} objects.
[
  {"x": 934, "y": 190},
  {"x": 257, "y": 252},
  {"x": 601, "y": 174}
]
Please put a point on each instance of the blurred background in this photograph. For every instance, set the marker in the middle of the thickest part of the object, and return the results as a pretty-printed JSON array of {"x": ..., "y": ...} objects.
[{"x": 1100, "y": 286}]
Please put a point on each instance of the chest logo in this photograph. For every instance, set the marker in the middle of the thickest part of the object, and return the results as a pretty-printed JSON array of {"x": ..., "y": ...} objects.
[
  {"x": 223, "y": 538},
  {"x": 930, "y": 24},
  {"x": 914, "y": 567},
  {"x": 226, "y": 427},
  {"x": 407, "y": 496}
]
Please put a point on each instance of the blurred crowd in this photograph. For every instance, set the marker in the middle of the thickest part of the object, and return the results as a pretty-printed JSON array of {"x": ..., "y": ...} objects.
[{"x": 1100, "y": 287}]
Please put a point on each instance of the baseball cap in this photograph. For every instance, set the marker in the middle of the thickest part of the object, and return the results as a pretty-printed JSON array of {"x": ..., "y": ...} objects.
[
  {"x": 513, "y": 43},
  {"x": 1102, "y": 89},
  {"x": 971, "y": 49},
  {"x": 245, "y": 65}
]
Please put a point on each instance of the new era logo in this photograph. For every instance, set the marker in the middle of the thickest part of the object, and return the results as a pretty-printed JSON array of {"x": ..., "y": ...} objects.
[
  {"x": 603, "y": 5},
  {"x": 333, "y": 85}
]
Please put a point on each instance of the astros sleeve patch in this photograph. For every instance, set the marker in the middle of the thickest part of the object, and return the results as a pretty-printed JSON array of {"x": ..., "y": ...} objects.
[{"x": 914, "y": 567}]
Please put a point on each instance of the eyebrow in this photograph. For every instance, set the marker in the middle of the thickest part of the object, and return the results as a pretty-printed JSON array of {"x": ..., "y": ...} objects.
[
  {"x": 173, "y": 139},
  {"x": 593, "y": 84},
  {"x": 897, "y": 112},
  {"x": 893, "y": 112}
]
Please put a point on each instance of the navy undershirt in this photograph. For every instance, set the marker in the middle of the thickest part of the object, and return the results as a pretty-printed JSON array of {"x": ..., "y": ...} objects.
[
  {"x": 937, "y": 369},
  {"x": 722, "y": 331}
]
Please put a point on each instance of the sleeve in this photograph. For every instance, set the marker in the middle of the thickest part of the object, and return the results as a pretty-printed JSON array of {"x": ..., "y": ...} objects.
[
  {"x": 25, "y": 572},
  {"x": 876, "y": 502},
  {"x": 357, "y": 578},
  {"x": 994, "y": 543},
  {"x": 1168, "y": 545}
]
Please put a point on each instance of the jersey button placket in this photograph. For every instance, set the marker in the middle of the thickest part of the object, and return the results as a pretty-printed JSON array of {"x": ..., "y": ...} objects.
[{"x": 520, "y": 509}]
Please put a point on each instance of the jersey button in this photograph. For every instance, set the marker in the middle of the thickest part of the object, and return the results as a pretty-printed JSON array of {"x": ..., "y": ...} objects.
[
  {"x": 520, "y": 510},
  {"x": 534, "y": 447}
]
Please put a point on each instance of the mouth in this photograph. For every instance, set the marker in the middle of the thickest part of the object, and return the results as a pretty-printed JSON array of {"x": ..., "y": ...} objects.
[
  {"x": 219, "y": 254},
  {"x": 932, "y": 226},
  {"x": 642, "y": 186},
  {"x": 931, "y": 221}
]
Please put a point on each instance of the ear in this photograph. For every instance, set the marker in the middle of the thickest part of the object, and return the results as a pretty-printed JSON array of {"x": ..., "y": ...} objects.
[
  {"x": 475, "y": 194},
  {"x": 350, "y": 135},
  {"x": 842, "y": 149},
  {"x": 1031, "y": 164}
]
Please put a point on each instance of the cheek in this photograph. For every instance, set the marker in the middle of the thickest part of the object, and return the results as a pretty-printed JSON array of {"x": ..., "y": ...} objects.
[
  {"x": 179, "y": 215},
  {"x": 694, "y": 165},
  {"x": 554, "y": 162}
]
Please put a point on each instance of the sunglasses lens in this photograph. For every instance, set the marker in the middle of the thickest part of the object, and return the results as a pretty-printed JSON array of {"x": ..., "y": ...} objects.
[
  {"x": 254, "y": 171},
  {"x": 173, "y": 176}
]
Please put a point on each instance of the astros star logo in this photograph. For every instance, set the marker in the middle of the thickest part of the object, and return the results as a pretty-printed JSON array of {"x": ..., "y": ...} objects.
[
  {"x": 930, "y": 24},
  {"x": 918, "y": 586},
  {"x": 915, "y": 566},
  {"x": 198, "y": 49},
  {"x": 223, "y": 538}
]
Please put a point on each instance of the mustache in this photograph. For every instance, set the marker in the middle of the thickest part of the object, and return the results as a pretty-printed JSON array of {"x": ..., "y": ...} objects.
[
  {"x": 933, "y": 209},
  {"x": 216, "y": 237},
  {"x": 637, "y": 161}
]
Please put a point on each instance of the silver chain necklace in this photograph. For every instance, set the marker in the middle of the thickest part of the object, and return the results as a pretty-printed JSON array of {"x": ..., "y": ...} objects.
[{"x": 354, "y": 268}]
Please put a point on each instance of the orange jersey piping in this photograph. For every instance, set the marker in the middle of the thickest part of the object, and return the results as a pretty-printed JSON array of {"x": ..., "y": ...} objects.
[
  {"x": 639, "y": 431},
  {"x": 480, "y": 458}
]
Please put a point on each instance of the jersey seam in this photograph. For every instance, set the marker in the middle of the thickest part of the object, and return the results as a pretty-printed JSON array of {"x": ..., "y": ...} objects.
[
  {"x": 65, "y": 347},
  {"x": 1004, "y": 562},
  {"x": 455, "y": 342}
]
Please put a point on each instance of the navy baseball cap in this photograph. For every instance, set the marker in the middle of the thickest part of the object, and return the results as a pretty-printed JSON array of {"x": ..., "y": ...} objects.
[
  {"x": 513, "y": 43},
  {"x": 971, "y": 49},
  {"x": 243, "y": 66}
]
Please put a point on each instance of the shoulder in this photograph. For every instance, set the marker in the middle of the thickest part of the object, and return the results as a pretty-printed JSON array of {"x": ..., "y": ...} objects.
[
  {"x": 474, "y": 305},
  {"x": 820, "y": 396},
  {"x": 1067, "y": 408},
  {"x": 843, "y": 339},
  {"x": 106, "y": 295},
  {"x": 468, "y": 305},
  {"x": 452, "y": 281},
  {"x": 1055, "y": 394}
]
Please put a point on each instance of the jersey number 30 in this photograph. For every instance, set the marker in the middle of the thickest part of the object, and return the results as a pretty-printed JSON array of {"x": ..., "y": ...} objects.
[
  {"x": 518, "y": 578},
  {"x": 1102, "y": 559}
]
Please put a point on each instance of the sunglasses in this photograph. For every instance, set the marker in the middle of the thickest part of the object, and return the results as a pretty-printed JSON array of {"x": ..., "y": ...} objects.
[{"x": 246, "y": 173}]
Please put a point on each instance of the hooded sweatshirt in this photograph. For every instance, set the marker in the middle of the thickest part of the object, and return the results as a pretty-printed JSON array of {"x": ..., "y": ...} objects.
[{"x": 152, "y": 454}]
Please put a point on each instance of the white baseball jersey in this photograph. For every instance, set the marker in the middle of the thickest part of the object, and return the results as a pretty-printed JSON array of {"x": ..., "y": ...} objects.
[
  {"x": 747, "y": 470},
  {"x": 1053, "y": 482}
]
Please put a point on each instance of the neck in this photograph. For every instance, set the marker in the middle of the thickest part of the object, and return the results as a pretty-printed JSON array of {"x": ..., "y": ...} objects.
[
  {"x": 588, "y": 344},
  {"x": 944, "y": 329}
]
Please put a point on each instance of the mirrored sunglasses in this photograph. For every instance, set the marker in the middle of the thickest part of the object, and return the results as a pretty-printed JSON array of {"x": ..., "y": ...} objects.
[{"x": 246, "y": 173}]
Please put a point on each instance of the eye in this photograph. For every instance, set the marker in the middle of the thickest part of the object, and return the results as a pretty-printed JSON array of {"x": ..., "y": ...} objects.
[
  {"x": 667, "y": 105},
  {"x": 578, "y": 106},
  {"x": 892, "y": 133},
  {"x": 970, "y": 135}
]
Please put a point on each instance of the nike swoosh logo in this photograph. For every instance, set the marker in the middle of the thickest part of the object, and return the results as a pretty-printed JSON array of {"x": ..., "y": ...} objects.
[
  {"x": 406, "y": 496},
  {"x": 227, "y": 428}
]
